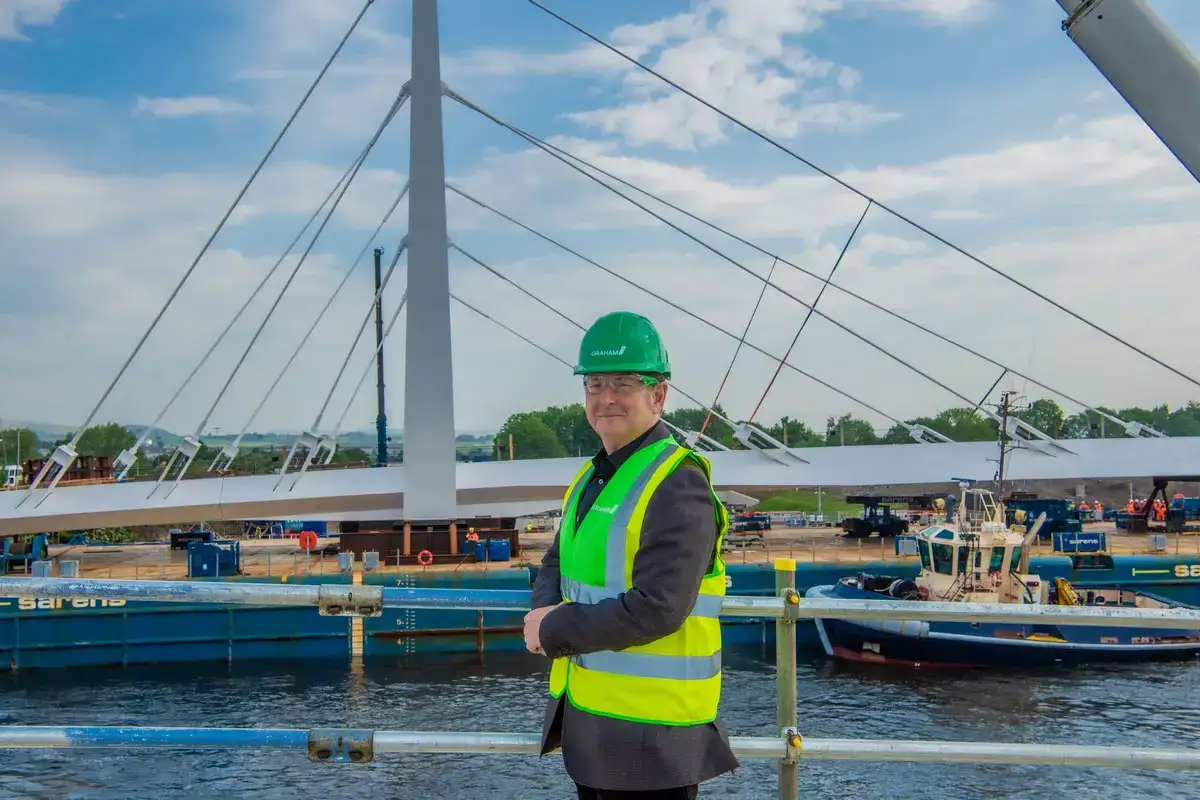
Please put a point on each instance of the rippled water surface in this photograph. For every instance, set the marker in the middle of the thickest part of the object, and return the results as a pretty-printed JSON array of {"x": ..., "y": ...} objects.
[{"x": 1155, "y": 705}]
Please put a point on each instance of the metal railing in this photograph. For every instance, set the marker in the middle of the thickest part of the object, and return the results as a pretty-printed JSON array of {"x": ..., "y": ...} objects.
[{"x": 348, "y": 745}]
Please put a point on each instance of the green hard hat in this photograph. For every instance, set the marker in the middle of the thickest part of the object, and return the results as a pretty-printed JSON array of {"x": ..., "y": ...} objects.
[{"x": 623, "y": 342}]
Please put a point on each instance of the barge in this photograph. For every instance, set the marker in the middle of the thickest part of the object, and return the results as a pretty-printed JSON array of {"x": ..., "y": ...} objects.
[{"x": 46, "y": 633}]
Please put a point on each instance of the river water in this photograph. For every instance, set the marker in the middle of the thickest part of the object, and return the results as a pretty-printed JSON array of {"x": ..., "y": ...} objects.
[{"x": 1154, "y": 705}]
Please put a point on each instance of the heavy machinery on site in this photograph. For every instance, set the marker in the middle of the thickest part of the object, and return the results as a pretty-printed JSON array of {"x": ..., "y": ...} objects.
[{"x": 878, "y": 517}]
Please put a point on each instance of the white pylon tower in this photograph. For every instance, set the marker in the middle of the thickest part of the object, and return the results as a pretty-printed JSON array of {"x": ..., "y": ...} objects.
[{"x": 429, "y": 454}]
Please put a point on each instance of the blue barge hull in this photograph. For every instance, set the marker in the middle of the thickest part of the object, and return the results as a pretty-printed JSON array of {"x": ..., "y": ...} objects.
[{"x": 44, "y": 633}]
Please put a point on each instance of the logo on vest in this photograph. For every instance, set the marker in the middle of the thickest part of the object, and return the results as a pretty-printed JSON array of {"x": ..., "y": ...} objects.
[
  {"x": 620, "y": 351},
  {"x": 605, "y": 509}
]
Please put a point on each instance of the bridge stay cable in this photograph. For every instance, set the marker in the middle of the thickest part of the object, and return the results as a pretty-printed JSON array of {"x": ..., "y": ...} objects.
[
  {"x": 127, "y": 458},
  {"x": 310, "y": 444},
  {"x": 1134, "y": 429},
  {"x": 741, "y": 341},
  {"x": 678, "y": 307},
  {"x": 224, "y": 459},
  {"x": 809, "y": 313},
  {"x": 185, "y": 453},
  {"x": 60, "y": 461},
  {"x": 583, "y": 327},
  {"x": 337, "y": 429},
  {"x": 1023, "y": 430},
  {"x": 743, "y": 432},
  {"x": 846, "y": 185}
]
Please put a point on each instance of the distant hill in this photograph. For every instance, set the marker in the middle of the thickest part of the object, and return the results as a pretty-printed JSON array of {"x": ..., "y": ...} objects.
[{"x": 44, "y": 430}]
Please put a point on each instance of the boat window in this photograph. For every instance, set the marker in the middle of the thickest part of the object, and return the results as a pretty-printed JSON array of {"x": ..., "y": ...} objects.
[
  {"x": 1093, "y": 562},
  {"x": 943, "y": 559},
  {"x": 997, "y": 561},
  {"x": 923, "y": 546},
  {"x": 1015, "y": 562},
  {"x": 963, "y": 558}
]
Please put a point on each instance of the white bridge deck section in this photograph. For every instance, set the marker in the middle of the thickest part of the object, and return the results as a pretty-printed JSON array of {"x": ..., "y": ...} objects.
[{"x": 514, "y": 488}]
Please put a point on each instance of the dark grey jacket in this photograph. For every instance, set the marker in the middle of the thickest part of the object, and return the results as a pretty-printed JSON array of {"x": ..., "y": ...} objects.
[{"x": 677, "y": 545}]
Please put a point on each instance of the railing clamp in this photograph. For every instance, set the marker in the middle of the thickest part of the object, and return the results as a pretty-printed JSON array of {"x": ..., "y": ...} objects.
[
  {"x": 794, "y": 744},
  {"x": 791, "y": 605},
  {"x": 341, "y": 745},
  {"x": 350, "y": 601}
]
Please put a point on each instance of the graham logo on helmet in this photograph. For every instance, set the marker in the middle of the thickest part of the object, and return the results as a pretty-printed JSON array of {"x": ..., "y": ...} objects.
[{"x": 620, "y": 351}]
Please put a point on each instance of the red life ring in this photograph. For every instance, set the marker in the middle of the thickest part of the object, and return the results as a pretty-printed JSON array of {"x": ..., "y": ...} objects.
[
  {"x": 308, "y": 540},
  {"x": 424, "y": 558}
]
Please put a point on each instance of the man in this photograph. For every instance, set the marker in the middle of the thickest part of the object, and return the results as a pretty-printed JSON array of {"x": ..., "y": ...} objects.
[{"x": 627, "y": 598}]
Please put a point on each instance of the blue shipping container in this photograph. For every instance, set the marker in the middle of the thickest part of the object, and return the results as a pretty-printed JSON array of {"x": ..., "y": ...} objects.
[
  {"x": 1077, "y": 542},
  {"x": 499, "y": 550}
]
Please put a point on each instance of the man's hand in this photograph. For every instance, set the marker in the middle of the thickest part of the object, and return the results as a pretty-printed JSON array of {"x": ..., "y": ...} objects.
[{"x": 533, "y": 624}]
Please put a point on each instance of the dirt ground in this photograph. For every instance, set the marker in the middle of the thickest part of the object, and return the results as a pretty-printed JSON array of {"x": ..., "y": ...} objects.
[{"x": 284, "y": 557}]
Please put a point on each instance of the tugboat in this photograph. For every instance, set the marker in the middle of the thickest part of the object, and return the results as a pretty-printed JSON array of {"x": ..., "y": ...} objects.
[
  {"x": 974, "y": 557},
  {"x": 977, "y": 559}
]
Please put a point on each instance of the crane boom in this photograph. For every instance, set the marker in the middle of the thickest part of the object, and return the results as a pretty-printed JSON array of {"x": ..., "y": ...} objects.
[{"x": 1148, "y": 65}]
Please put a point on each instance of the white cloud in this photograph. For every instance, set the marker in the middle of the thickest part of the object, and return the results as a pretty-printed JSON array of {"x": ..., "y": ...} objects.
[
  {"x": 943, "y": 11},
  {"x": 848, "y": 78},
  {"x": 25, "y": 102},
  {"x": 180, "y": 107},
  {"x": 1114, "y": 152},
  {"x": 733, "y": 55},
  {"x": 958, "y": 214},
  {"x": 16, "y": 14},
  {"x": 109, "y": 248},
  {"x": 744, "y": 58}
]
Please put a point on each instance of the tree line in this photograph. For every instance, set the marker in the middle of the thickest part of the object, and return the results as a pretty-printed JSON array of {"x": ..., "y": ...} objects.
[{"x": 560, "y": 431}]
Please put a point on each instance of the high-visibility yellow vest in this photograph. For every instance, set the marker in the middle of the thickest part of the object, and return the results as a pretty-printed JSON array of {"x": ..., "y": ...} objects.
[{"x": 675, "y": 680}]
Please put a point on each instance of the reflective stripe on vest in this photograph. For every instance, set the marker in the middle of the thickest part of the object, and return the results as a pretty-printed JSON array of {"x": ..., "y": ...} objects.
[
  {"x": 707, "y": 605},
  {"x": 652, "y": 665}
]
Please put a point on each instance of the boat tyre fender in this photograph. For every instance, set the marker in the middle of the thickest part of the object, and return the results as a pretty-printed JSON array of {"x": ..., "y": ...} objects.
[
  {"x": 308, "y": 540},
  {"x": 424, "y": 558}
]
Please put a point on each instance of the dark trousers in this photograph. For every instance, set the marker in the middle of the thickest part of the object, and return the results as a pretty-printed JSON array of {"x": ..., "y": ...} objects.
[{"x": 679, "y": 793}]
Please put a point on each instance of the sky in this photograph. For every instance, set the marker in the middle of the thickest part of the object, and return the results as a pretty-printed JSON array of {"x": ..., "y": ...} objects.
[{"x": 128, "y": 127}]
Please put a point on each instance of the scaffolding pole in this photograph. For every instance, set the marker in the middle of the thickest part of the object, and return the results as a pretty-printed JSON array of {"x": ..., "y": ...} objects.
[
  {"x": 348, "y": 600},
  {"x": 785, "y": 679},
  {"x": 352, "y": 745}
]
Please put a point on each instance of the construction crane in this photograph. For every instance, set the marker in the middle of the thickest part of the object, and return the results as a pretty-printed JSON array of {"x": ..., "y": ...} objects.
[{"x": 1148, "y": 65}]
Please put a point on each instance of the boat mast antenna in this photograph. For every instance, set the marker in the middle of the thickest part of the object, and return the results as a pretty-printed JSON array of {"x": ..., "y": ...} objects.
[{"x": 1006, "y": 409}]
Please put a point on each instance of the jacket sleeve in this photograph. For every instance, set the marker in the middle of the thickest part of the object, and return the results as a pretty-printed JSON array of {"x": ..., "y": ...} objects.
[
  {"x": 546, "y": 590},
  {"x": 678, "y": 540}
]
